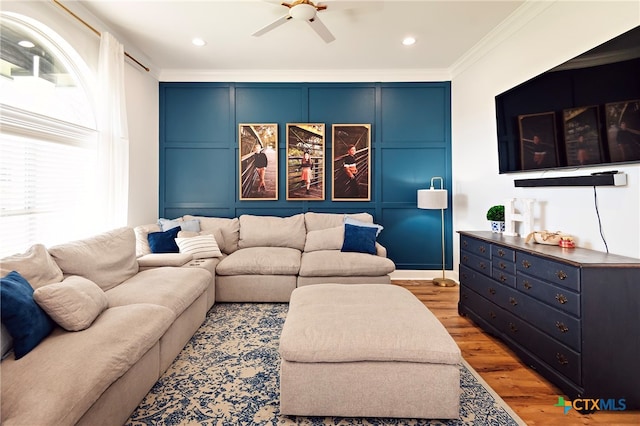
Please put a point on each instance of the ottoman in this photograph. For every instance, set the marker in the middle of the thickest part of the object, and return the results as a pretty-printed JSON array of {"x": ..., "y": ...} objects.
[{"x": 366, "y": 350}]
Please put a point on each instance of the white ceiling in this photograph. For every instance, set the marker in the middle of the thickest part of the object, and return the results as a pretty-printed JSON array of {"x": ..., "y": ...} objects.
[{"x": 368, "y": 34}]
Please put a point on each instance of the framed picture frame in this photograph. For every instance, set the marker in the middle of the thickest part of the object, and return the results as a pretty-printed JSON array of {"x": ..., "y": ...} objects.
[
  {"x": 623, "y": 130},
  {"x": 538, "y": 143},
  {"x": 305, "y": 161},
  {"x": 258, "y": 161},
  {"x": 351, "y": 162},
  {"x": 582, "y": 135}
]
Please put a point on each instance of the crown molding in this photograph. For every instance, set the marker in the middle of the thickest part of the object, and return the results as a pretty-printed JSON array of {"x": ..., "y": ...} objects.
[{"x": 305, "y": 76}]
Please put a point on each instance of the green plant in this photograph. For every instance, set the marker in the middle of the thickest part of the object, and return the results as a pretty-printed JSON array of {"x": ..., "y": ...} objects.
[{"x": 496, "y": 213}]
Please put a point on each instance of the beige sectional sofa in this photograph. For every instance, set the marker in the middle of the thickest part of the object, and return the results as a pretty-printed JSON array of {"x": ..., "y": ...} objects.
[
  {"x": 264, "y": 258},
  {"x": 123, "y": 314},
  {"x": 136, "y": 324}
]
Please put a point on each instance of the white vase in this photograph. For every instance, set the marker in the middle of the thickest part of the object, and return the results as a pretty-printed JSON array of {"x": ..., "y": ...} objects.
[{"x": 497, "y": 226}]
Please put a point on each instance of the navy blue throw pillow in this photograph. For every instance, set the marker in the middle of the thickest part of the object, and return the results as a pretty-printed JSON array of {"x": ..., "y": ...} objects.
[
  {"x": 360, "y": 239},
  {"x": 25, "y": 321},
  {"x": 164, "y": 242}
]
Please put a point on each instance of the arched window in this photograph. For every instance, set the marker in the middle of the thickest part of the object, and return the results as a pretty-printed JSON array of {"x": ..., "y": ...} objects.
[{"x": 47, "y": 137}]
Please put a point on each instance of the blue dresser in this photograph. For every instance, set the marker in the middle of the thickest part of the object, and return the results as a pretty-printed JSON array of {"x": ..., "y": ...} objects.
[{"x": 572, "y": 314}]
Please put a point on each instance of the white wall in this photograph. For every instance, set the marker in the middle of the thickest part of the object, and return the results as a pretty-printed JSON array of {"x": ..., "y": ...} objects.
[
  {"x": 547, "y": 35},
  {"x": 141, "y": 94}
]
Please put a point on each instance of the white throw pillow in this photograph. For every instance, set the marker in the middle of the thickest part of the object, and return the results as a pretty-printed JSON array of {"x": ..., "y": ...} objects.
[
  {"x": 36, "y": 266},
  {"x": 73, "y": 304},
  {"x": 200, "y": 247},
  {"x": 325, "y": 239}
]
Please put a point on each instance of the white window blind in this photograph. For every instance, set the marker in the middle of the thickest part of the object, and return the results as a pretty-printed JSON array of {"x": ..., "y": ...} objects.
[{"x": 45, "y": 189}]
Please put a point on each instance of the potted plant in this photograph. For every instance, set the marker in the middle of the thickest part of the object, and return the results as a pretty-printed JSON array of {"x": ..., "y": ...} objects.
[{"x": 496, "y": 215}]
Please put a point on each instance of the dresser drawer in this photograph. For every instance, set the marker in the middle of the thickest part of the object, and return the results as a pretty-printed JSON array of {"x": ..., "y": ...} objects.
[
  {"x": 558, "y": 297},
  {"x": 498, "y": 252},
  {"x": 558, "y": 356},
  {"x": 476, "y": 262},
  {"x": 486, "y": 310},
  {"x": 482, "y": 284},
  {"x": 503, "y": 277},
  {"x": 504, "y": 265},
  {"x": 477, "y": 247},
  {"x": 554, "y": 272},
  {"x": 557, "y": 324}
]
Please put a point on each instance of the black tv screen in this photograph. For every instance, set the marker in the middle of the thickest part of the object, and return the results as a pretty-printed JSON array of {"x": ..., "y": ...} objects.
[{"x": 585, "y": 112}]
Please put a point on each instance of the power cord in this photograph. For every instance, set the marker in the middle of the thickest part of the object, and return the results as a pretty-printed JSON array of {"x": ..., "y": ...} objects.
[{"x": 595, "y": 201}]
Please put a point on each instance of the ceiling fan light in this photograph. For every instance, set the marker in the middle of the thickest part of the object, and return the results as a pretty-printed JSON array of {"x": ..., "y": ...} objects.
[{"x": 302, "y": 11}]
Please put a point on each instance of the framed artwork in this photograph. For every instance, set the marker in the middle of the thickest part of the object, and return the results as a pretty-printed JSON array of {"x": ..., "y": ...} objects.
[
  {"x": 538, "y": 145},
  {"x": 582, "y": 136},
  {"x": 623, "y": 130},
  {"x": 258, "y": 158},
  {"x": 305, "y": 161},
  {"x": 351, "y": 162}
]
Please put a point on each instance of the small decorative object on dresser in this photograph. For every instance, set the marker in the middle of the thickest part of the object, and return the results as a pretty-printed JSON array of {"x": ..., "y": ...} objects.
[{"x": 496, "y": 215}]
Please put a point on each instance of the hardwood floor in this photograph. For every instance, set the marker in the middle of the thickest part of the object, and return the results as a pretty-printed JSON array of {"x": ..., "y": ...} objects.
[{"x": 523, "y": 389}]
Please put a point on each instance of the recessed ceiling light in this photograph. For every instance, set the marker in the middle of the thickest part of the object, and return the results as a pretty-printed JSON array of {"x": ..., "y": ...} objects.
[
  {"x": 26, "y": 43},
  {"x": 198, "y": 42},
  {"x": 408, "y": 41}
]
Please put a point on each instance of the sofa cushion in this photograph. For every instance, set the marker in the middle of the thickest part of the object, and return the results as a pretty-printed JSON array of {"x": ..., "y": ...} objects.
[
  {"x": 229, "y": 229},
  {"x": 359, "y": 239},
  {"x": 5, "y": 341},
  {"x": 73, "y": 304},
  {"x": 142, "y": 241},
  {"x": 261, "y": 261},
  {"x": 318, "y": 221},
  {"x": 272, "y": 231},
  {"x": 327, "y": 263},
  {"x": 64, "y": 376},
  {"x": 154, "y": 260},
  {"x": 106, "y": 259},
  {"x": 36, "y": 266},
  {"x": 325, "y": 239},
  {"x": 200, "y": 247},
  {"x": 26, "y": 322},
  {"x": 173, "y": 288}
]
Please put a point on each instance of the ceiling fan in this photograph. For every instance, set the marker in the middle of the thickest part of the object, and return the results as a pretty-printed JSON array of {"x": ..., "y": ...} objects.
[{"x": 303, "y": 10}]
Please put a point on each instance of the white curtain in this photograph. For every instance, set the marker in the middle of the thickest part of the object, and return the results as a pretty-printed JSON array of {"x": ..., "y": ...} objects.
[{"x": 113, "y": 142}]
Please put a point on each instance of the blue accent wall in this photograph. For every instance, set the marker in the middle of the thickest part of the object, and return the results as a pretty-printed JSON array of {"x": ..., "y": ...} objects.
[{"x": 410, "y": 141}]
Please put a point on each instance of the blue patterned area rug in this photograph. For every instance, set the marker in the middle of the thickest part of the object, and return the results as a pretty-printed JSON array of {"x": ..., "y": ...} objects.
[{"x": 228, "y": 374}]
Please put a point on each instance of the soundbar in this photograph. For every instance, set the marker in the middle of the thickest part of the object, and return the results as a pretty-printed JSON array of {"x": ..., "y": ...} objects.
[{"x": 597, "y": 179}]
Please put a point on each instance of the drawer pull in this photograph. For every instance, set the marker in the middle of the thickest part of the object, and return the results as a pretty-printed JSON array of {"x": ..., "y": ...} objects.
[
  {"x": 465, "y": 296},
  {"x": 526, "y": 264},
  {"x": 492, "y": 290},
  {"x": 482, "y": 249},
  {"x": 562, "y": 360},
  {"x": 501, "y": 252},
  {"x": 513, "y": 301},
  {"x": 464, "y": 275},
  {"x": 492, "y": 315},
  {"x": 483, "y": 265},
  {"x": 503, "y": 278},
  {"x": 502, "y": 265},
  {"x": 561, "y": 275},
  {"x": 527, "y": 285},
  {"x": 465, "y": 243},
  {"x": 561, "y": 298},
  {"x": 513, "y": 327},
  {"x": 465, "y": 258},
  {"x": 563, "y": 328}
]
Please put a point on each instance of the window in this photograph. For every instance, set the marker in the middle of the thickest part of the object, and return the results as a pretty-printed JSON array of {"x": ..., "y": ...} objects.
[{"x": 47, "y": 138}]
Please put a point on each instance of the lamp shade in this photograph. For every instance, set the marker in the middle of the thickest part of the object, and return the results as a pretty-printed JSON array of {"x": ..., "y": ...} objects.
[{"x": 432, "y": 199}]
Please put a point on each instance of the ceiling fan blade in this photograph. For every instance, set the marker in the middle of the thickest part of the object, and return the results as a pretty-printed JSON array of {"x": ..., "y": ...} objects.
[
  {"x": 272, "y": 25},
  {"x": 321, "y": 29}
]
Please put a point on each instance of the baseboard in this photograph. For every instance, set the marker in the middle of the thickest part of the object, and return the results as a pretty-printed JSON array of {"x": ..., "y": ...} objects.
[{"x": 412, "y": 274}]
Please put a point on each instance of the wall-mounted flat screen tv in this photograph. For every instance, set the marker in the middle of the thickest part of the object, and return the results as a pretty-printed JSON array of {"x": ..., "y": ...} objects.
[{"x": 585, "y": 112}]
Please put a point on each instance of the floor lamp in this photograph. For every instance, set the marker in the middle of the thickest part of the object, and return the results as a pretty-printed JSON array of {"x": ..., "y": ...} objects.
[{"x": 436, "y": 199}]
